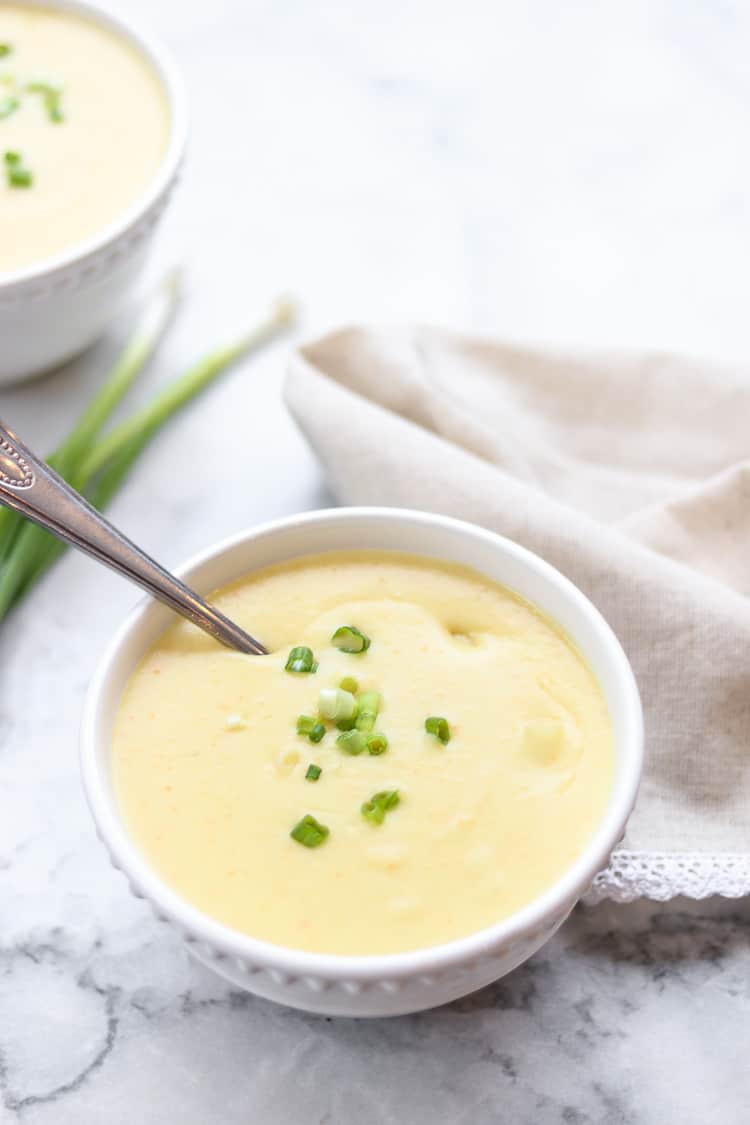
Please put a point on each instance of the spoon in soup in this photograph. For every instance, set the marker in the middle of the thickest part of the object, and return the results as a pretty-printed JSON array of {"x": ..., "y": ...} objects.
[{"x": 29, "y": 486}]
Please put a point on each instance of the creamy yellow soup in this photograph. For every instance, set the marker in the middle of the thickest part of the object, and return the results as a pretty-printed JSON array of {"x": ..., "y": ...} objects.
[
  {"x": 84, "y": 124},
  {"x": 211, "y": 773}
]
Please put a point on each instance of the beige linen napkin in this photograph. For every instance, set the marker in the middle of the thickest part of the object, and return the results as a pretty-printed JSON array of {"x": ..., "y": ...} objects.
[{"x": 629, "y": 474}]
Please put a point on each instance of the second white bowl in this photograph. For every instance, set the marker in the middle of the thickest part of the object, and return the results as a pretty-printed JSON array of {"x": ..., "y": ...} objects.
[
  {"x": 52, "y": 310},
  {"x": 397, "y": 983}
]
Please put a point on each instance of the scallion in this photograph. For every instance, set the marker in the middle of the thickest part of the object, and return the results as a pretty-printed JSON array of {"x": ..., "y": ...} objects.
[
  {"x": 300, "y": 660},
  {"x": 20, "y": 178},
  {"x": 17, "y": 176},
  {"x": 25, "y": 549},
  {"x": 346, "y": 724},
  {"x": 352, "y": 741},
  {"x": 369, "y": 705},
  {"x": 335, "y": 704},
  {"x": 309, "y": 832},
  {"x": 51, "y": 97},
  {"x": 439, "y": 727},
  {"x": 310, "y": 727},
  {"x": 313, "y": 772},
  {"x": 377, "y": 744},
  {"x": 349, "y": 684},
  {"x": 97, "y": 465},
  {"x": 379, "y": 804},
  {"x": 5, "y": 50},
  {"x": 348, "y": 638},
  {"x": 8, "y": 106}
]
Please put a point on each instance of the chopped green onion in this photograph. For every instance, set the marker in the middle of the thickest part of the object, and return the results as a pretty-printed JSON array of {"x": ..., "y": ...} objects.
[
  {"x": 51, "y": 96},
  {"x": 379, "y": 804},
  {"x": 310, "y": 726},
  {"x": 369, "y": 705},
  {"x": 17, "y": 175},
  {"x": 309, "y": 832},
  {"x": 300, "y": 660},
  {"x": 5, "y": 50},
  {"x": 439, "y": 727},
  {"x": 348, "y": 638},
  {"x": 349, "y": 684},
  {"x": 346, "y": 724},
  {"x": 335, "y": 704},
  {"x": 20, "y": 177},
  {"x": 377, "y": 744},
  {"x": 7, "y": 106},
  {"x": 313, "y": 772},
  {"x": 352, "y": 741}
]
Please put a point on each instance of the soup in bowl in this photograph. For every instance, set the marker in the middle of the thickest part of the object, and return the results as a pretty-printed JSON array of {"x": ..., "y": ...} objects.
[
  {"x": 92, "y": 129},
  {"x": 399, "y": 802}
]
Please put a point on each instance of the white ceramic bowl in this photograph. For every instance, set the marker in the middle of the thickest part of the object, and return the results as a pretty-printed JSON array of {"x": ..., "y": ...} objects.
[
  {"x": 397, "y": 983},
  {"x": 55, "y": 308}
]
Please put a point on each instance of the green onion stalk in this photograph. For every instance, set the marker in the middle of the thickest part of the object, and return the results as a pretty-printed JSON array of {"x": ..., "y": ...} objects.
[{"x": 98, "y": 465}]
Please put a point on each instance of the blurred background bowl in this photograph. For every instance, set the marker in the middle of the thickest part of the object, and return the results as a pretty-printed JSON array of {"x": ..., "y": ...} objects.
[{"x": 53, "y": 309}]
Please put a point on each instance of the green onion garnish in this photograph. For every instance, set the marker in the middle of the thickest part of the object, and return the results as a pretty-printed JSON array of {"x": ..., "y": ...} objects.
[
  {"x": 5, "y": 49},
  {"x": 379, "y": 804},
  {"x": 7, "y": 106},
  {"x": 352, "y": 741},
  {"x": 16, "y": 174},
  {"x": 377, "y": 744},
  {"x": 347, "y": 638},
  {"x": 300, "y": 660},
  {"x": 309, "y": 832},
  {"x": 309, "y": 726},
  {"x": 439, "y": 727},
  {"x": 349, "y": 684},
  {"x": 369, "y": 705},
  {"x": 51, "y": 96},
  {"x": 335, "y": 704},
  {"x": 313, "y": 772},
  {"x": 346, "y": 724}
]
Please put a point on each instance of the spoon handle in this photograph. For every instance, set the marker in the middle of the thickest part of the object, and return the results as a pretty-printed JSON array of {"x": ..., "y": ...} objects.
[{"x": 29, "y": 486}]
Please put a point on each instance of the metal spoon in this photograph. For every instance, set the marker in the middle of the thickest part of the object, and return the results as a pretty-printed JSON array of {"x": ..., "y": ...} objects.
[{"x": 29, "y": 486}]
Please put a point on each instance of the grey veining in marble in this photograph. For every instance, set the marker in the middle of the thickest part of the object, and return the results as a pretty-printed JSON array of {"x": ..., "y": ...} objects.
[
  {"x": 533, "y": 169},
  {"x": 631, "y": 1015}
]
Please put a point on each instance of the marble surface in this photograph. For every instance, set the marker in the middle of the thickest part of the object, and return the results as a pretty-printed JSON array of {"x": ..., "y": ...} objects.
[{"x": 543, "y": 171}]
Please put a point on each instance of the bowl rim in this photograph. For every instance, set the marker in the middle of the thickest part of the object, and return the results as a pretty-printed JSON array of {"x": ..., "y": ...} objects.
[
  {"x": 546, "y": 909},
  {"x": 162, "y": 61}
]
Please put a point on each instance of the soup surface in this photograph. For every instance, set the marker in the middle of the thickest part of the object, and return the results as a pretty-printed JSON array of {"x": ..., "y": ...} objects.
[
  {"x": 211, "y": 772},
  {"x": 84, "y": 123}
]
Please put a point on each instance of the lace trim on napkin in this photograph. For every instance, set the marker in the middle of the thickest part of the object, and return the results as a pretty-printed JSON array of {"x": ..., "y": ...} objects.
[{"x": 664, "y": 875}]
